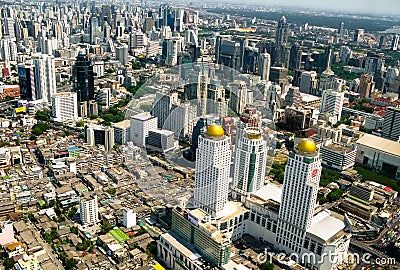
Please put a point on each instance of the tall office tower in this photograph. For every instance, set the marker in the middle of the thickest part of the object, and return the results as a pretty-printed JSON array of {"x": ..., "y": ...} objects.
[
  {"x": 83, "y": 77},
  {"x": 106, "y": 31},
  {"x": 228, "y": 54},
  {"x": 250, "y": 163},
  {"x": 382, "y": 42},
  {"x": 327, "y": 81},
  {"x": 358, "y": 33},
  {"x": 216, "y": 103},
  {"x": 273, "y": 98},
  {"x": 374, "y": 66},
  {"x": 264, "y": 66},
  {"x": 191, "y": 37},
  {"x": 341, "y": 29},
  {"x": 27, "y": 84},
  {"x": 332, "y": 103},
  {"x": 243, "y": 44},
  {"x": 212, "y": 171},
  {"x": 299, "y": 196},
  {"x": 93, "y": 29},
  {"x": 202, "y": 85},
  {"x": 391, "y": 124},
  {"x": 170, "y": 49},
  {"x": 148, "y": 24},
  {"x": 100, "y": 135},
  {"x": 162, "y": 107},
  {"x": 45, "y": 76},
  {"x": 141, "y": 124},
  {"x": 345, "y": 54},
  {"x": 281, "y": 38},
  {"x": 138, "y": 40},
  {"x": 64, "y": 106},
  {"x": 238, "y": 96},
  {"x": 250, "y": 60},
  {"x": 218, "y": 41},
  {"x": 366, "y": 86},
  {"x": 121, "y": 53},
  {"x": 308, "y": 82},
  {"x": 181, "y": 120},
  {"x": 8, "y": 49},
  {"x": 106, "y": 14},
  {"x": 395, "y": 42},
  {"x": 295, "y": 57},
  {"x": 89, "y": 212},
  {"x": 9, "y": 27}
]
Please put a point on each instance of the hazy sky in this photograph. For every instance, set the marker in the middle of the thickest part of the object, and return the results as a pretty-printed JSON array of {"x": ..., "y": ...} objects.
[{"x": 387, "y": 7}]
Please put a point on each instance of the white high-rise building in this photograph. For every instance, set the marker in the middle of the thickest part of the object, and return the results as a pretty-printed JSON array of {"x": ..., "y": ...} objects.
[
  {"x": 100, "y": 135},
  {"x": 238, "y": 97},
  {"x": 300, "y": 190},
  {"x": 64, "y": 106},
  {"x": 264, "y": 65},
  {"x": 213, "y": 158},
  {"x": 129, "y": 218},
  {"x": 250, "y": 163},
  {"x": 308, "y": 82},
  {"x": 45, "y": 76},
  {"x": 88, "y": 207},
  {"x": 332, "y": 103},
  {"x": 141, "y": 124}
]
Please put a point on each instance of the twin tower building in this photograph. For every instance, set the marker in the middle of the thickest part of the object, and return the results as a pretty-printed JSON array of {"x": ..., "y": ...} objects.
[{"x": 288, "y": 218}]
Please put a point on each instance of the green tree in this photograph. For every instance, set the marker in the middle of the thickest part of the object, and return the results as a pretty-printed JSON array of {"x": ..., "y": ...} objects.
[
  {"x": 93, "y": 116},
  {"x": 74, "y": 230},
  {"x": 267, "y": 266},
  {"x": 151, "y": 248},
  {"x": 111, "y": 191},
  {"x": 43, "y": 115},
  {"x": 105, "y": 227},
  {"x": 8, "y": 263},
  {"x": 334, "y": 195},
  {"x": 80, "y": 124}
]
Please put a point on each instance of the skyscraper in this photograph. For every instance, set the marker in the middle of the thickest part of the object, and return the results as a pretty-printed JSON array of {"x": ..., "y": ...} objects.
[
  {"x": 332, "y": 103},
  {"x": 264, "y": 65},
  {"x": 45, "y": 76},
  {"x": 281, "y": 37},
  {"x": 250, "y": 163},
  {"x": 83, "y": 77},
  {"x": 141, "y": 124},
  {"x": 341, "y": 29},
  {"x": 162, "y": 107},
  {"x": 299, "y": 196},
  {"x": 212, "y": 171},
  {"x": 366, "y": 85},
  {"x": 26, "y": 75},
  {"x": 391, "y": 124},
  {"x": 64, "y": 106}
]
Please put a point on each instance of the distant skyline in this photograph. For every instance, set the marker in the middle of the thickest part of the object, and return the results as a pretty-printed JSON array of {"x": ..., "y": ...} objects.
[{"x": 381, "y": 7}]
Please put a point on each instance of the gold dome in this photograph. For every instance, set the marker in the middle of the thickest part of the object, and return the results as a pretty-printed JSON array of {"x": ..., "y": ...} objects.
[
  {"x": 215, "y": 130},
  {"x": 307, "y": 145}
]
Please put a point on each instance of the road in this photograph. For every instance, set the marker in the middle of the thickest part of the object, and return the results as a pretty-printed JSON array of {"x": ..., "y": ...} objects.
[{"x": 45, "y": 245}]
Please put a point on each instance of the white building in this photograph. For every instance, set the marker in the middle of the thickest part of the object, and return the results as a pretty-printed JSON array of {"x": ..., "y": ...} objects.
[
  {"x": 308, "y": 82},
  {"x": 238, "y": 96},
  {"x": 338, "y": 156},
  {"x": 332, "y": 103},
  {"x": 129, "y": 218},
  {"x": 45, "y": 75},
  {"x": 141, "y": 124},
  {"x": 64, "y": 106},
  {"x": 98, "y": 68},
  {"x": 264, "y": 65},
  {"x": 88, "y": 207},
  {"x": 213, "y": 160},
  {"x": 391, "y": 124},
  {"x": 250, "y": 162}
]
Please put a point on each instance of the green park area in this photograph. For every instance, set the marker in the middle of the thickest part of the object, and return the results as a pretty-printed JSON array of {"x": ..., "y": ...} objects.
[{"x": 119, "y": 235}]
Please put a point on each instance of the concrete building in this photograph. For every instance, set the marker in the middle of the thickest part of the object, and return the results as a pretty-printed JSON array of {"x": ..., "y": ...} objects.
[
  {"x": 129, "y": 218},
  {"x": 88, "y": 209},
  {"x": 332, "y": 103},
  {"x": 213, "y": 160},
  {"x": 122, "y": 131},
  {"x": 264, "y": 65},
  {"x": 161, "y": 140},
  {"x": 100, "y": 135},
  {"x": 249, "y": 164},
  {"x": 141, "y": 124},
  {"x": 338, "y": 156},
  {"x": 379, "y": 153},
  {"x": 391, "y": 124},
  {"x": 64, "y": 106},
  {"x": 308, "y": 82}
]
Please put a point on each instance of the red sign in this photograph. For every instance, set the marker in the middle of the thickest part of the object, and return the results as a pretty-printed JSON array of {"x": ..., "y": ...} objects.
[{"x": 314, "y": 173}]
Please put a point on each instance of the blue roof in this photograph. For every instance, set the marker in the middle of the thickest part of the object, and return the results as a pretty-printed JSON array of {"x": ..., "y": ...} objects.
[{"x": 73, "y": 148}]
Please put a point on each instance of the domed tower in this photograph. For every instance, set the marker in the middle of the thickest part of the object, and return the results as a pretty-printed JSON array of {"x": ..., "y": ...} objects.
[
  {"x": 213, "y": 158},
  {"x": 299, "y": 195}
]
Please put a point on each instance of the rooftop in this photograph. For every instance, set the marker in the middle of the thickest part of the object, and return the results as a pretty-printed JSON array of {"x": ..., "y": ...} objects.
[
  {"x": 381, "y": 144},
  {"x": 270, "y": 192},
  {"x": 123, "y": 124},
  {"x": 324, "y": 226},
  {"x": 142, "y": 116}
]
